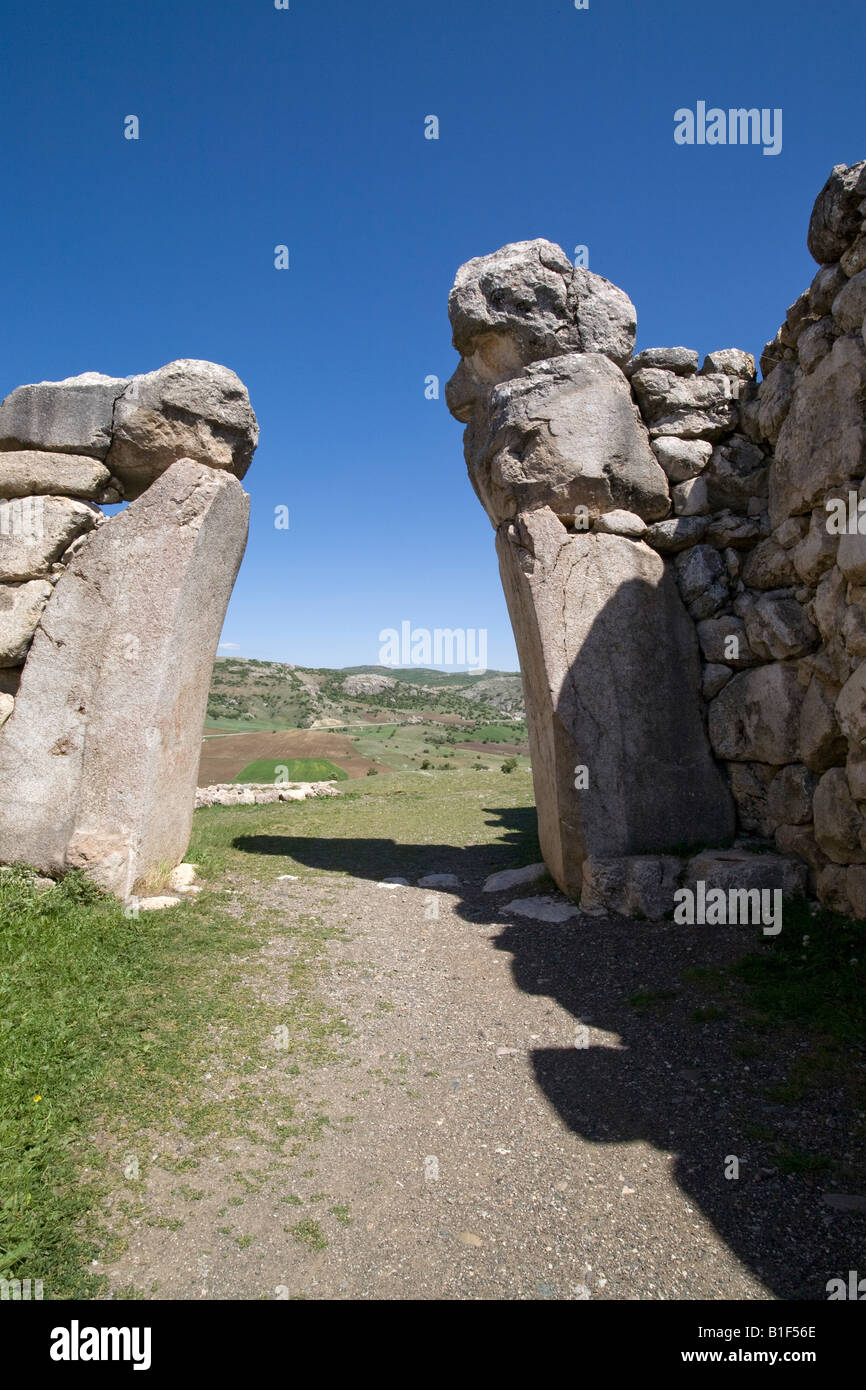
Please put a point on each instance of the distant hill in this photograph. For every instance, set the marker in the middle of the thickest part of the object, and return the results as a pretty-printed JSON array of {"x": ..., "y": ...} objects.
[{"x": 249, "y": 694}]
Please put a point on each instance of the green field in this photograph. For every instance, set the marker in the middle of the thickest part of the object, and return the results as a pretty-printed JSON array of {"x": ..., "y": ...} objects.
[
  {"x": 292, "y": 770},
  {"x": 494, "y": 733}
]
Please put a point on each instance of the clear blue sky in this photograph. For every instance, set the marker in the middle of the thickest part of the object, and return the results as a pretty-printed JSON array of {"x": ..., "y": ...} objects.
[{"x": 306, "y": 127}]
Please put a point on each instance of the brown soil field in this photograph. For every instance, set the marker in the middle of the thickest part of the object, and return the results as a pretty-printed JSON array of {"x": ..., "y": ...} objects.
[
  {"x": 520, "y": 748},
  {"x": 223, "y": 758}
]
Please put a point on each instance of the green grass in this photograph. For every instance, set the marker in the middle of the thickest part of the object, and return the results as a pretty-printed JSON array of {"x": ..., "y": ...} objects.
[
  {"x": 820, "y": 982},
  {"x": 112, "y": 1020},
  {"x": 309, "y": 1233},
  {"x": 292, "y": 770},
  {"x": 495, "y": 733},
  {"x": 107, "y": 1025}
]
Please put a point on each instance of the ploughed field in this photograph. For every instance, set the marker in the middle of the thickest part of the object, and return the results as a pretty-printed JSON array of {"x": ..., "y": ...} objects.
[
  {"x": 311, "y": 755},
  {"x": 225, "y": 757}
]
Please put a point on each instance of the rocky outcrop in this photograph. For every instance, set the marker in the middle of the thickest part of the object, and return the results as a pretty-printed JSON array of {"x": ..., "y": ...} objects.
[
  {"x": 741, "y": 517},
  {"x": 109, "y": 626}
]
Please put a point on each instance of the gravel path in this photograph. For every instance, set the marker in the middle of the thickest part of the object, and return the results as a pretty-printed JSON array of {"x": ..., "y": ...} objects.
[{"x": 502, "y": 1122}]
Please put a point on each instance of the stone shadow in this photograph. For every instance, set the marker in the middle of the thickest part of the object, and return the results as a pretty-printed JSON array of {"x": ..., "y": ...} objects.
[{"x": 666, "y": 1077}]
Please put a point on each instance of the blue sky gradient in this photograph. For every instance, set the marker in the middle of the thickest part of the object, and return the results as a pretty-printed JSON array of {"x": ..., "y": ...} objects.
[{"x": 306, "y": 128}]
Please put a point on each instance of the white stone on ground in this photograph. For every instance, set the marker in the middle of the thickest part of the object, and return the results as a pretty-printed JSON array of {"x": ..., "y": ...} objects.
[
  {"x": 512, "y": 878},
  {"x": 541, "y": 909}
]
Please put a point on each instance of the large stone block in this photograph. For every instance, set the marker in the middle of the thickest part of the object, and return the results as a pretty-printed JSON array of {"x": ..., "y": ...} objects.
[
  {"x": 187, "y": 409},
  {"x": 692, "y": 407},
  {"x": 35, "y": 531},
  {"x": 611, "y": 676},
  {"x": 756, "y": 716},
  {"x": 836, "y": 216},
  {"x": 21, "y": 607},
  {"x": 70, "y": 417},
  {"x": 98, "y": 761},
  {"x": 837, "y": 820},
  {"x": 526, "y": 302},
  {"x": 30, "y": 472},
  {"x": 563, "y": 435},
  {"x": 642, "y": 886},
  {"x": 823, "y": 440},
  {"x": 738, "y": 868}
]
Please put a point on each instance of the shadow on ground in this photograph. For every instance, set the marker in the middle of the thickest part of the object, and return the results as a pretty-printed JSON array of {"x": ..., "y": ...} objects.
[{"x": 683, "y": 1082}]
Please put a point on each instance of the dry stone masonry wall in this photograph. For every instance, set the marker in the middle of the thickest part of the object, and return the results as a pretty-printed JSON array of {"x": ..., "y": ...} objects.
[
  {"x": 686, "y": 576},
  {"x": 109, "y": 625}
]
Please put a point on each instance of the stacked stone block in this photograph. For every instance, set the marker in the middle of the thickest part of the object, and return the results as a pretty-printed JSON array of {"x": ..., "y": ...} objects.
[
  {"x": 109, "y": 626},
  {"x": 739, "y": 509}
]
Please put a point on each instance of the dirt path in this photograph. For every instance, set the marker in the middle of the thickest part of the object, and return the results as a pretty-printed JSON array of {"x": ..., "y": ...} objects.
[{"x": 460, "y": 1145}]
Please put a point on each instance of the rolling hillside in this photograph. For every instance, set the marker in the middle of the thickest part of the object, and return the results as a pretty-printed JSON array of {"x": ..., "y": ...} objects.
[{"x": 255, "y": 695}]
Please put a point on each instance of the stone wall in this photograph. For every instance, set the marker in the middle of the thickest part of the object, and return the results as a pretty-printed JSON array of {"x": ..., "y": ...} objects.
[
  {"x": 691, "y": 627},
  {"x": 109, "y": 626}
]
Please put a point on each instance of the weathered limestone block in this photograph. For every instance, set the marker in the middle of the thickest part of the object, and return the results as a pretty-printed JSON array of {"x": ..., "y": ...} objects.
[
  {"x": 837, "y": 819},
  {"x": 732, "y": 362},
  {"x": 98, "y": 761},
  {"x": 620, "y": 523},
  {"x": 828, "y": 281},
  {"x": 31, "y": 472},
  {"x": 768, "y": 566},
  {"x": 815, "y": 554},
  {"x": 527, "y": 302},
  {"x": 820, "y": 739},
  {"x": 756, "y": 717},
  {"x": 35, "y": 531},
  {"x": 750, "y": 785},
  {"x": 729, "y": 530},
  {"x": 777, "y": 628},
  {"x": 187, "y": 409},
  {"x": 789, "y": 799},
  {"x": 681, "y": 459},
  {"x": 836, "y": 216},
  {"x": 682, "y": 360},
  {"x": 854, "y": 259},
  {"x": 703, "y": 581},
  {"x": 566, "y": 434},
  {"x": 849, "y": 306},
  {"x": 7, "y": 704},
  {"x": 21, "y": 607},
  {"x": 690, "y": 498},
  {"x": 816, "y": 342},
  {"x": 69, "y": 417},
  {"x": 737, "y": 472},
  {"x": 738, "y": 868},
  {"x": 798, "y": 320},
  {"x": 611, "y": 678},
  {"x": 679, "y": 533},
  {"x": 823, "y": 440},
  {"x": 693, "y": 407},
  {"x": 724, "y": 640},
  {"x": 774, "y": 400},
  {"x": 637, "y": 886}
]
